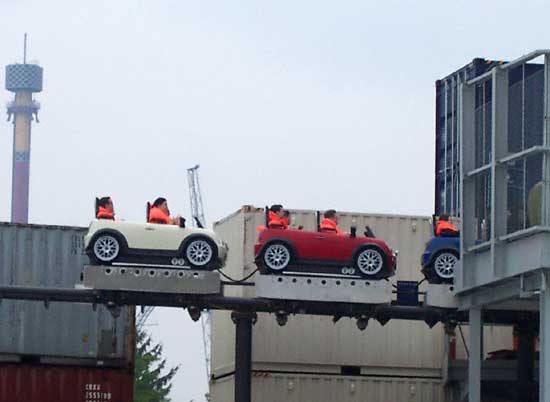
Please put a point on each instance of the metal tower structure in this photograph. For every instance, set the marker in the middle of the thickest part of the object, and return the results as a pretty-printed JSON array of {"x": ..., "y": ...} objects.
[
  {"x": 197, "y": 214},
  {"x": 197, "y": 210},
  {"x": 23, "y": 80}
]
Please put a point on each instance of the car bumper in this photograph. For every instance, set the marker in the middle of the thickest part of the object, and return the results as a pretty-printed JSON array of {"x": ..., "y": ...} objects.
[
  {"x": 425, "y": 259},
  {"x": 87, "y": 239}
]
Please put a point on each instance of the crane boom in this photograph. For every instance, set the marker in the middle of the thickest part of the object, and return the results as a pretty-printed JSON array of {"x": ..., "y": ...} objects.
[{"x": 195, "y": 196}]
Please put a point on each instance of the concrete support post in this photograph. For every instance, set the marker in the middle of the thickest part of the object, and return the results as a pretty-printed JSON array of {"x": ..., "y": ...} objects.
[
  {"x": 544, "y": 334},
  {"x": 474, "y": 361},
  {"x": 243, "y": 355}
]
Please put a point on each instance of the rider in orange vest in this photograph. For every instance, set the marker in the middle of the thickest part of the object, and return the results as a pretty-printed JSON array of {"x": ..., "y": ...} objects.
[
  {"x": 275, "y": 216},
  {"x": 159, "y": 213},
  {"x": 330, "y": 223},
  {"x": 445, "y": 227},
  {"x": 106, "y": 209},
  {"x": 285, "y": 220}
]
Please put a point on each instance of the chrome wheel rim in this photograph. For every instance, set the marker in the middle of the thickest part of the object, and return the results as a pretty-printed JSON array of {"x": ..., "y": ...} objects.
[
  {"x": 445, "y": 265},
  {"x": 277, "y": 257},
  {"x": 199, "y": 252},
  {"x": 106, "y": 248},
  {"x": 370, "y": 262}
]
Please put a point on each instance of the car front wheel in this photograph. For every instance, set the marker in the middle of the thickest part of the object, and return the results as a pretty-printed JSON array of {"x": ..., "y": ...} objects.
[
  {"x": 199, "y": 252},
  {"x": 106, "y": 248},
  {"x": 444, "y": 265},
  {"x": 370, "y": 262},
  {"x": 276, "y": 257}
]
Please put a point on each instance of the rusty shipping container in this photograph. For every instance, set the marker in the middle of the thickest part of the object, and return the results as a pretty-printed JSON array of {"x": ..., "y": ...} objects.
[
  {"x": 314, "y": 344},
  {"x": 63, "y": 333},
  {"x": 276, "y": 387},
  {"x": 49, "y": 383}
]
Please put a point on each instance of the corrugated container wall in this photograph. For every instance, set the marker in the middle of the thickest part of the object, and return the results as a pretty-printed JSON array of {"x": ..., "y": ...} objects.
[
  {"x": 28, "y": 383},
  {"x": 53, "y": 256},
  {"x": 525, "y": 81},
  {"x": 268, "y": 387},
  {"x": 316, "y": 344}
]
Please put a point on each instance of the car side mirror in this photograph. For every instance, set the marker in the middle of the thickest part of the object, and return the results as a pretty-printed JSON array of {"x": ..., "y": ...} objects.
[{"x": 353, "y": 231}]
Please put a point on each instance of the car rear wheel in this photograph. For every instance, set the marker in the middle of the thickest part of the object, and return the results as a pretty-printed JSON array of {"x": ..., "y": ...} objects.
[
  {"x": 444, "y": 265},
  {"x": 276, "y": 257},
  {"x": 106, "y": 248},
  {"x": 200, "y": 252},
  {"x": 370, "y": 262}
]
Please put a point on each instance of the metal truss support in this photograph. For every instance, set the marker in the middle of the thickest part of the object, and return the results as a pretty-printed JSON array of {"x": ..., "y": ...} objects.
[
  {"x": 243, "y": 355},
  {"x": 474, "y": 361}
]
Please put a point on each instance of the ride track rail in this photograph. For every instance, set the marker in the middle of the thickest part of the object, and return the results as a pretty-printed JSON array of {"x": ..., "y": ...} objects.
[
  {"x": 243, "y": 313},
  {"x": 380, "y": 312}
]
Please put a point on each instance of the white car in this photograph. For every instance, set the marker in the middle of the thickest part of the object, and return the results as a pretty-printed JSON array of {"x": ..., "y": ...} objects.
[{"x": 119, "y": 242}]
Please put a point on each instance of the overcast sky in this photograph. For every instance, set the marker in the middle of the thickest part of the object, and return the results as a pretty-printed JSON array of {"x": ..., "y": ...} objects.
[{"x": 312, "y": 104}]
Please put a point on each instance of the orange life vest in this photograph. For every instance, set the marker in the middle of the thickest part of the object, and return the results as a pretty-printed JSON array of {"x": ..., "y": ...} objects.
[
  {"x": 274, "y": 222},
  {"x": 104, "y": 213},
  {"x": 444, "y": 225},
  {"x": 157, "y": 215},
  {"x": 285, "y": 222},
  {"x": 329, "y": 225}
]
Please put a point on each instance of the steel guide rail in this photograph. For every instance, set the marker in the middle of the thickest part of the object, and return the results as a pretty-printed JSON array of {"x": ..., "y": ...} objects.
[{"x": 382, "y": 313}]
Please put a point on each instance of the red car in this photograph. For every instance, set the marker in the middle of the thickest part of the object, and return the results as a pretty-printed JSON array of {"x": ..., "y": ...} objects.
[{"x": 324, "y": 253}]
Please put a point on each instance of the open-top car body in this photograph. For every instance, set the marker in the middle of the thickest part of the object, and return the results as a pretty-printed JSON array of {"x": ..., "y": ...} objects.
[
  {"x": 440, "y": 258},
  {"x": 313, "y": 252},
  {"x": 119, "y": 242}
]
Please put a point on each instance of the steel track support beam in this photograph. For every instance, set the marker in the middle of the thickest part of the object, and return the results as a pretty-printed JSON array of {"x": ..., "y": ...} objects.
[
  {"x": 474, "y": 360},
  {"x": 243, "y": 355},
  {"x": 526, "y": 361},
  {"x": 544, "y": 372}
]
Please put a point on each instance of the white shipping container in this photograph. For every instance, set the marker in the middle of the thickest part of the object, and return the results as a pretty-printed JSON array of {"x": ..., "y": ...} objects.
[
  {"x": 275, "y": 387},
  {"x": 407, "y": 348}
]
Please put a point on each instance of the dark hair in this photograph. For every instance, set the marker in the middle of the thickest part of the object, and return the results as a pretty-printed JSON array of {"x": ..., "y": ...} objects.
[
  {"x": 286, "y": 212},
  {"x": 104, "y": 201},
  {"x": 443, "y": 217},
  {"x": 330, "y": 213},
  {"x": 159, "y": 201},
  {"x": 276, "y": 208}
]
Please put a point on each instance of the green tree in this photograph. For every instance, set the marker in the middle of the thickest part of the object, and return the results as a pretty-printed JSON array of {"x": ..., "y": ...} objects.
[{"x": 150, "y": 384}]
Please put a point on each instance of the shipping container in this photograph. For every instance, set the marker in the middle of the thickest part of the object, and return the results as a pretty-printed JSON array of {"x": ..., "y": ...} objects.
[
  {"x": 277, "y": 387},
  {"x": 50, "y": 383},
  {"x": 315, "y": 343},
  {"x": 526, "y": 84},
  {"x": 61, "y": 333}
]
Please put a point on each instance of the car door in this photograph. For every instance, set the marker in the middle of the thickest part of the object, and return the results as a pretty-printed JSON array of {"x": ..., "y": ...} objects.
[
  {"x": 154, "y": 236},
  {"x": 331, "y": 247},
  {"x": 318, "y": 246},
  {"x": 305, "y": 242}
]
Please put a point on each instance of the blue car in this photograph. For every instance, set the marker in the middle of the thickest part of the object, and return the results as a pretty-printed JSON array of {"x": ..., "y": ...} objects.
[{"x": 440, "y": 258}]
